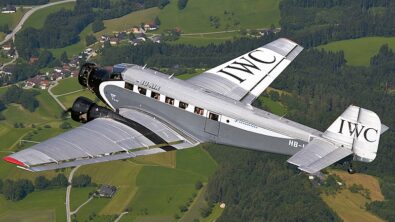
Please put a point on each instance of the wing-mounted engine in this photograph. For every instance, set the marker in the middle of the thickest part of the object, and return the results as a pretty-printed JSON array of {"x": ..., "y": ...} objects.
[{"x": 85, "y": 110}]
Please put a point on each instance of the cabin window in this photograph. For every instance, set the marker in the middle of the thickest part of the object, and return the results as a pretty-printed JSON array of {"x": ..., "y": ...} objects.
[
  {"x": 128, "y": 86},
  {"x": 183, "y": 105},
  {"x": 169, "y": 100},
  {"x": 142, "y": 90},
  {"x": 155, "y": 95},
  {"x": 199, "y": 110},
  {"x": 213, "y": 116}
]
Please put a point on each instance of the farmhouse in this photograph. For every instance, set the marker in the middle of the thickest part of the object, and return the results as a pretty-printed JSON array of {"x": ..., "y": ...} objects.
[
  {"x": 107, "y": 191},
  {"x": 8, "y": 9}
]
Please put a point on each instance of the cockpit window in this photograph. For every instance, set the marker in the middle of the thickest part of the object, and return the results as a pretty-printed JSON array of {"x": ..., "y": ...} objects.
[
  {"x": 169, "y": 100},
  {"x": 142, "y": 90},
  {"x": 155, "y": 95},
  {"x": 199, "y": 110},
  {"x": 128, "y": 86},
  {"x": 183, "y": 105},
  {"x": 213, "y": 116}
]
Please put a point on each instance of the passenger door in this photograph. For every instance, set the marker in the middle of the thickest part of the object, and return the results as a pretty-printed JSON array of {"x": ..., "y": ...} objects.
[{"x": 212, "y": 123}]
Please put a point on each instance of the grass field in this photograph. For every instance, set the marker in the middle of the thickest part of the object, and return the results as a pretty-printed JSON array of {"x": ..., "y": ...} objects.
[
  {"x": 66, "y": 86},
  {"x": 350, "y": 207},
  {"x": 368, "y": 182},
  {"x": 205, "y": 39},
  {"x": 128, "y": 21},
  {"x": 11, "y": 19},
  {"x": 68, "y": 100},
  {"x": 37, "y": 206},
  {"x": 76, "y": 48},
  {"x": 359, "y": 51},
  {"x": 250, "y": 14},
  {"x": 38, "y": 18},
  {"x": 274, "y": 107}
]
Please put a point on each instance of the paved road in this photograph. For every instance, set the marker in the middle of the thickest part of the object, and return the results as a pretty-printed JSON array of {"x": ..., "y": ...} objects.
[
  {"x": 76, "y": 211},
  {"x": 55, "y": 97},
  {"x": 27, "y": 15},
  {"x": 10, "y": 62},
  {"x": 68, "y": 191},
  {"x": 120, "y": 216}
]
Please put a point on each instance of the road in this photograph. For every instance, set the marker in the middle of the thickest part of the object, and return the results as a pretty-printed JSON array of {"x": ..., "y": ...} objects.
[
  {"x": 55, "y": 97},
  {"x": 27, "y": 15},
  {"x": 68, "y": 191},
  {"x": 120, "y": 216},
  {"x": 10, "y": 62},
  {"x": 76, "y": 211}
]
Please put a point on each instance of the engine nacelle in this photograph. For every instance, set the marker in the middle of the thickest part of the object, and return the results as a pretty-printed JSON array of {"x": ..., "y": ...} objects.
[{"x": 85, "y": 110}]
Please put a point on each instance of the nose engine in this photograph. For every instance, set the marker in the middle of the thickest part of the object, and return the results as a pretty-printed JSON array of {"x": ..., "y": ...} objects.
[{"x": 91, "y": 76}]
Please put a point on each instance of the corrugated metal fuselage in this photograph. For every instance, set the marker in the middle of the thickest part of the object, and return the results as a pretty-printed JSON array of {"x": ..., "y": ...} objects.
[{"x": 238, "y": 125}]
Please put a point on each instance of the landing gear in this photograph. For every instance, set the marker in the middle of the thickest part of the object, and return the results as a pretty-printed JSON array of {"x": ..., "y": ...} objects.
[{"x": 350, "y": 170}]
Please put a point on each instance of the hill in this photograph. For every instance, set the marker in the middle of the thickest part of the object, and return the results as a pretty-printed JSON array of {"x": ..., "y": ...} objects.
[{"x": 358, "y": 52}]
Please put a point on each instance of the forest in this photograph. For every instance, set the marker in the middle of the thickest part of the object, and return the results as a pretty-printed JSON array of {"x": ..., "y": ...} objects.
[
  {"x": 26, "y": 98},
  {"x": 23, "y": 2}
]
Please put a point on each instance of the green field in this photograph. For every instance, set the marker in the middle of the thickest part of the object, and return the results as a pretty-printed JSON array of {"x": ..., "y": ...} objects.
[
  {"x": 275, "y": 107},
  {"x": 205, "y": 39},
  {"x": 359, "y": 51},
  {"x": 37, "y": 206},
  {"x": 38, "y": 18},
  {"x": 66, "y": 86},
  {"x": 11, "y": 19},
  {"x": 76, "y": 48},
  {"x": 250, "y": 14},
  {"x": 128, "y": 21}
]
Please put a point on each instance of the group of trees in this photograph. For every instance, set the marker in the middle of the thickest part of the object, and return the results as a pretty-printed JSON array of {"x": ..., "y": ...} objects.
[
  {"x": 23, "y": 2},
  {"x": 19, "y": 189},
  {"x": 5, "y": 28},
  {"x": 314, "y": 22},
  {"x": 18, "y": 95},
  {"x": 257, "y": 186}
]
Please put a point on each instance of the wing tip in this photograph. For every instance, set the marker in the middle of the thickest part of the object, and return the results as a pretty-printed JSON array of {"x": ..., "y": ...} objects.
[{"x": 14, "y": 161}]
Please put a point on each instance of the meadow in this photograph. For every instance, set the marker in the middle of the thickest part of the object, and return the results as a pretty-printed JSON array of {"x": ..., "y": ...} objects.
[
  {"x": 38, "y": 18},
  {"x": 352, "y": 206},
  {"x": 232, "y": 14},
  {"x": 359, "y": 51}
]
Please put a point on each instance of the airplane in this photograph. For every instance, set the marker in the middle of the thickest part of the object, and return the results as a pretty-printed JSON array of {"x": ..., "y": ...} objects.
[{"x": 151, "y": 112}]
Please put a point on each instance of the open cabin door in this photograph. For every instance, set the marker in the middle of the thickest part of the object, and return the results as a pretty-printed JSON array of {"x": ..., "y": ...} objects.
[{"x": 212, "y": 123}]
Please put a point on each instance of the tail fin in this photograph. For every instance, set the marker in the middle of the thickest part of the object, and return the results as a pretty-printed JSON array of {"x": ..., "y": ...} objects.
[
  {"x": 357, "y": 129},
  {"x": 356, "y": 132}
]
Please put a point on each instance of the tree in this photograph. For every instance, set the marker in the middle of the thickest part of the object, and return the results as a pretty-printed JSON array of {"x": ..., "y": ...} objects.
[
  {"x": 157, "y": 21},
  {"x": 198, "y": 185},
  {"x": 97, "y": 25},
  {"x": 182, "y": 4},
  {"x": 45, "y": 58},
  {"x": 59, "y": 181},
  {"x": 64, "y": 58},
  {"x": 82, "y": 180},
  {"x": 41, "y": 183},
  {"x": 65, "y": 125},
  {"x": 90, "y": 39}
]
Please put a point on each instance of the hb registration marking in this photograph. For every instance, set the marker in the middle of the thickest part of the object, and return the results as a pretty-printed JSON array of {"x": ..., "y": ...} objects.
[{"x": 294, "y": 143}]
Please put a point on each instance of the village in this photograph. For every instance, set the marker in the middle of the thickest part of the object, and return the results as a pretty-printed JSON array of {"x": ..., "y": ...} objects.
[{"x": 134, "y": 36}]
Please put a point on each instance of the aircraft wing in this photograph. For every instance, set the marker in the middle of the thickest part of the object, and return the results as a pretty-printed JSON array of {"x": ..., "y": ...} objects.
[
  {"x": 247, "y": 76},
  {"x": 102, "y": 140}
]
